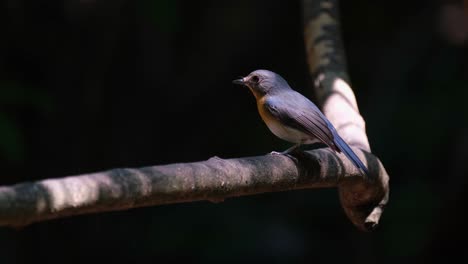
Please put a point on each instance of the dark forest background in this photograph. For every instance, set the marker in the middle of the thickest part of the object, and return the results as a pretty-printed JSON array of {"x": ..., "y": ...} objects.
[{"x": 91, "y": 85}]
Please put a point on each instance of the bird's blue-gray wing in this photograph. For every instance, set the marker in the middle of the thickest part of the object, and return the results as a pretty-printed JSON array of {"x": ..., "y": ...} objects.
[
  {"x": 299, "y": 113},
  {"x": 302, "y": 116}
]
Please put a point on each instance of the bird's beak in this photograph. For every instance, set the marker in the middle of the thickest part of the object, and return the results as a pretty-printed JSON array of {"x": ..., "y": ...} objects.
[{"x": 239, "y": 81}]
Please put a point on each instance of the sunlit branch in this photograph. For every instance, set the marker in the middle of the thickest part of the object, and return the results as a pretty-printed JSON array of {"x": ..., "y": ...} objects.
[
  {"x": 213, "y": 180},
  {"x": 327, "y": 65}
]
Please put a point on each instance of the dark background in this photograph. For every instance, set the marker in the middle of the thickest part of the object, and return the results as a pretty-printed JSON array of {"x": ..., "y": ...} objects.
[{"x": 92, "y": 85}]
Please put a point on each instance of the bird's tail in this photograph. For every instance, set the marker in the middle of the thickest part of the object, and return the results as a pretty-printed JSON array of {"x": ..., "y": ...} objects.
[{"x": 349, "y": 153}]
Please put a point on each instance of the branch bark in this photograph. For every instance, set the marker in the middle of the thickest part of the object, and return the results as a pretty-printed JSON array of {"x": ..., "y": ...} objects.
[
  {"x": 363, "y": 198},
  {"x": 212, "y": 180}
]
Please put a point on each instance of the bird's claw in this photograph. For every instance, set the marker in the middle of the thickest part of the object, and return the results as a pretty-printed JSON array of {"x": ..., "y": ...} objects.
[
  {"x": 284, "y": 153},
  {"x": 277, "y": 153}
]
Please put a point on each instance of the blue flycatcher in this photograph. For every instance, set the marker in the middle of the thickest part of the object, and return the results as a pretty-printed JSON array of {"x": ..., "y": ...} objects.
[{"x": 293, "y": 117}]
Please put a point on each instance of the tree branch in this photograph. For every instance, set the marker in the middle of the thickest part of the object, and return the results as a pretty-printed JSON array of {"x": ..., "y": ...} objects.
[
  {"x": 363, "y": 198},
  {"x": 213, "y": 180},
  {"x": 327, "y": 65}
]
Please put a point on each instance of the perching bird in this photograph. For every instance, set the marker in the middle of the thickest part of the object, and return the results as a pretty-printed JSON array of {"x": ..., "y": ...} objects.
[{"x": 293, "y": 117}]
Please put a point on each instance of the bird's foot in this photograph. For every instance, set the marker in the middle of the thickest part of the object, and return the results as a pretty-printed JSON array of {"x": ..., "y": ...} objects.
[
  {"x": 292, "y": 149},
  {"x": 277, "y": 153},
  {"x": 284, "y": 153}
]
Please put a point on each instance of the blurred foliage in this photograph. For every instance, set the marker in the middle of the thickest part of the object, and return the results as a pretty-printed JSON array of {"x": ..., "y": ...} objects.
[
  {"x": 163, "y": 13},
  {"x": 11, "y": 141},
  {"x": 14, "y": 97}
]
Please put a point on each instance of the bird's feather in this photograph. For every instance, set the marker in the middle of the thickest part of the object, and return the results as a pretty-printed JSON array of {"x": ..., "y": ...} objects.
[
  {"x": 349, "y": 153},
  {"x": 305, "y": 119},
  {"x": 296, "y": 111}
]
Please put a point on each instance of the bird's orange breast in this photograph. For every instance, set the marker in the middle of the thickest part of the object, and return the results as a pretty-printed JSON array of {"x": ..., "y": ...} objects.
[{"x": 264, "y": 113}]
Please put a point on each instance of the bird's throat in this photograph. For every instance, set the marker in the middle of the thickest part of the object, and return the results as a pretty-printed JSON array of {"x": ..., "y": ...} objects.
[{"x": 257, "y": 94}]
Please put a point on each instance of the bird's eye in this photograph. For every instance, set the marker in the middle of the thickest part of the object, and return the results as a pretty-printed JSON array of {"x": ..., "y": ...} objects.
[{"x": 254, "y": 79}]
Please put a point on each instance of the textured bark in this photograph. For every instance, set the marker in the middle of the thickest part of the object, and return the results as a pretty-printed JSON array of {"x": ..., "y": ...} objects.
[
  {"x": 363, "y": 198},
  {"x": 327, "y": 65},
  {"x": 212, "y": 180}
]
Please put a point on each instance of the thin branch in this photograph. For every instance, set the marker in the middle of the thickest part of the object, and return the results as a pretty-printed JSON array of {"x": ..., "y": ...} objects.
[
  {"x": 217, "y": 179},
  {"x": 327, "y": 65}
]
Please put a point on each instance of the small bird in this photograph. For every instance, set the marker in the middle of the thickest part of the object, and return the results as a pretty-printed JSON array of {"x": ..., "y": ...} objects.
[{"x": 293, "y": 117}]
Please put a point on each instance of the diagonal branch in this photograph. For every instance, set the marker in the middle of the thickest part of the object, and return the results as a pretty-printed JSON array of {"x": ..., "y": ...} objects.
[
  {"x": 216, "y": 179},
  {"x": 327, "y": 65}
]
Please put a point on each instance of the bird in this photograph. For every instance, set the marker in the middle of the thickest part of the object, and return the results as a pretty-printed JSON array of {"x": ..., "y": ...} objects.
[{"x": 293, "y": 117}]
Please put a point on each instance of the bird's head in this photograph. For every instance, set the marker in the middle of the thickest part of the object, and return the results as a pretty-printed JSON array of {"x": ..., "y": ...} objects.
[{"x": 262, "y": 82}]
